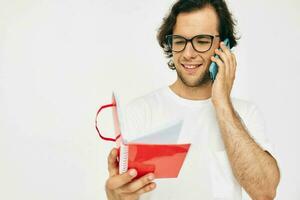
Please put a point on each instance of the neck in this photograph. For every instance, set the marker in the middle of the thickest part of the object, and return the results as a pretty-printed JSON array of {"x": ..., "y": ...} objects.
[{"x": 192, "y": 93}]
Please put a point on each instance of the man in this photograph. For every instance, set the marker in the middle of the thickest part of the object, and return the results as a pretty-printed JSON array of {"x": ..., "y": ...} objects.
[{"x": 229, "y": 148}]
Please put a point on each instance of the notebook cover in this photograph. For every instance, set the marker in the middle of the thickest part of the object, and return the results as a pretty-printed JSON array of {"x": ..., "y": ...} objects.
[{"x": 164, "y": 160}]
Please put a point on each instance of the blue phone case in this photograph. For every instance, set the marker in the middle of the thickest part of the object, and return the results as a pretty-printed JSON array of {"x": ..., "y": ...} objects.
[{"x": 213, "y": 68}]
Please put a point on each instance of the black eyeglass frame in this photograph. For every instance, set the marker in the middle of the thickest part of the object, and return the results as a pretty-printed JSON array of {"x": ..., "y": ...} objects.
[{"x": 169, "y": 41}]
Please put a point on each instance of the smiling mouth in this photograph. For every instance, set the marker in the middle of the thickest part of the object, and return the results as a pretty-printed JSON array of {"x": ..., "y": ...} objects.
[{"x": 190, "y": 66}]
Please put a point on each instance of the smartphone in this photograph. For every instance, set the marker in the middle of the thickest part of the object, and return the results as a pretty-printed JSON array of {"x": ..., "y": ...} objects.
[{"x": 213, "y": 68}]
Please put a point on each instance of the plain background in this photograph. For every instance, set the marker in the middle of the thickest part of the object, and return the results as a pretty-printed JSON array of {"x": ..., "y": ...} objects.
[{"x": 61, "y": 59}]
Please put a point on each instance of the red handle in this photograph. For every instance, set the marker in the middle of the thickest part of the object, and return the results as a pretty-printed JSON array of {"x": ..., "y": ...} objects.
[{"x": 96, "y": 126}]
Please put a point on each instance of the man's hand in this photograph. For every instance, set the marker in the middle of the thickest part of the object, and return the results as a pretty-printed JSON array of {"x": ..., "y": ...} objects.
[
  {"x": 226, "y": 74},
  {"x": 122, "y": 186}
]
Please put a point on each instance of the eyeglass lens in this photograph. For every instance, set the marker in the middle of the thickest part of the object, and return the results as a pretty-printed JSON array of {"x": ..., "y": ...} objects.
[{"x": 200, "y": 43}]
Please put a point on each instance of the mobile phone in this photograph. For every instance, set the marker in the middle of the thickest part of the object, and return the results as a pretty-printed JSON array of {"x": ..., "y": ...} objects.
[{"x": 213, "y": 68}]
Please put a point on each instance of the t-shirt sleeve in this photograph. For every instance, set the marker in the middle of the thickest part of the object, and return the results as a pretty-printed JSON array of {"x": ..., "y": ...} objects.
[{"x": 255, "y": 125}]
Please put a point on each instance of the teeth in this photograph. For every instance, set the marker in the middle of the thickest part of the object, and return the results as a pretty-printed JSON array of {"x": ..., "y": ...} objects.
[{"x": 190, "y": 66}]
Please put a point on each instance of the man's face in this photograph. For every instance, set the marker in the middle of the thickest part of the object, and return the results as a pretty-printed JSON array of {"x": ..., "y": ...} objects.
[{"x": 191, "y": 66}]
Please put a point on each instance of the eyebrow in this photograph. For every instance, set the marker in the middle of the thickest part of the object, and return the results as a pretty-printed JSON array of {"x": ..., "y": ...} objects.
[{"x": 196, "y": 34}]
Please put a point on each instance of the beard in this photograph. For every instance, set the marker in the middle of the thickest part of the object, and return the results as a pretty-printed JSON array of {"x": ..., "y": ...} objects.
[{"x": 203, "y": 79}]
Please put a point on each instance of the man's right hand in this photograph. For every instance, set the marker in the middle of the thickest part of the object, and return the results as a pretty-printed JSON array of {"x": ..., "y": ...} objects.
[{"x": 122, "y": 186}]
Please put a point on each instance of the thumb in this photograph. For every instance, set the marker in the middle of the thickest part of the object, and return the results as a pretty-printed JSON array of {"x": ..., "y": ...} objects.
[{"x": 112, "y": 161}]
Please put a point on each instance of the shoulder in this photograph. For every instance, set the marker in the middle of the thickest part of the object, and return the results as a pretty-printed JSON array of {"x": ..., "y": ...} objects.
[
  {"x": 249, "y": 112},
  {"x": 243, "y": 105},
  {"x": 245, "y": 108},
  {"x": 149, "y": 101},
  {"x": 142, "y": 113}
]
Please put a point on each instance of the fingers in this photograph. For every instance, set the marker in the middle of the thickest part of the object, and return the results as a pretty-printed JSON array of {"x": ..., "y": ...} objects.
[
  {"x": 115, "y": 182},
  {"x": 113, "y": 162},
  {"x": 221, "y": 67},
  {"x": 135, "y": 195},
  {"x": 142, "y": 184},
  {"x": 123, "y": 184},
  {"x": 234, "y": 65},
  {"x": 226, "y": 62},
  {"x": 224, "y": 54},
  {"x": 149, "y": 187},
  {"x": 227, "y": 55}
]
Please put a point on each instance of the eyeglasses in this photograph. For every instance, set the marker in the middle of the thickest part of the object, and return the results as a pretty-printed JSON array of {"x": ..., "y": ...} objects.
[{"x": 200, "y": 43}]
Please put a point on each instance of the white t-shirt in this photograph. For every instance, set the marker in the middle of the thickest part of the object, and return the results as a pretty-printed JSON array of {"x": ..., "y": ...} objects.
[{"x": 206, "y": 173}]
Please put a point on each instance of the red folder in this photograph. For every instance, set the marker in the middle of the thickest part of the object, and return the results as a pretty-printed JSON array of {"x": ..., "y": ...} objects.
[{"x": 164, "y": 160}]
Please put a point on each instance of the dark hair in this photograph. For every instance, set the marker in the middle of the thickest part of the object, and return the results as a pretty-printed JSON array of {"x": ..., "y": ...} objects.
[{"x": 226, "y": 22}]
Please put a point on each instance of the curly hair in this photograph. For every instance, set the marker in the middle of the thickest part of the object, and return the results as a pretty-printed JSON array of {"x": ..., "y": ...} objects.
[{"x": 226, "y": 22}]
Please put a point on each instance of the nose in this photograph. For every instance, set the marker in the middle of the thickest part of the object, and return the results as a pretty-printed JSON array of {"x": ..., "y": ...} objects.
[{"x": 189, "y": 52}]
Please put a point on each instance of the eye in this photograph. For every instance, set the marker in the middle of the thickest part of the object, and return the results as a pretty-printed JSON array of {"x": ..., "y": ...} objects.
[
  {"x": 179, "y": 42},
  {"x": 203, "y": 42}
]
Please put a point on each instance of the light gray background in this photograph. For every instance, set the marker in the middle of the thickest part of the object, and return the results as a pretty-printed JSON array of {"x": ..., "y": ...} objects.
[{"x": 61, "y": 59}]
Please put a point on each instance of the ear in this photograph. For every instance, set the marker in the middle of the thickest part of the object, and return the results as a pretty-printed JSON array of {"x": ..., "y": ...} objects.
[{"x": 171, "y": 64}]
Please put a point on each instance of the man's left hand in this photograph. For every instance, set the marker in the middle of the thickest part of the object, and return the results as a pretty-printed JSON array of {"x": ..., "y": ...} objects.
[{"x": 223, "y": 83}]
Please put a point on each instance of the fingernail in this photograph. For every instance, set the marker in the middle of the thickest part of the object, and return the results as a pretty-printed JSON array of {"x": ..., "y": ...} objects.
[
  {"x": 150, "y": 177},
  {"x": 152, "y": 186},
  {"x": 132, "y": 172},
  {"x": 114, "y": 152}
]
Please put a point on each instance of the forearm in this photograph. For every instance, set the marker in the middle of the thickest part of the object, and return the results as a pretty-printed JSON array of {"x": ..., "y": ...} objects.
[{"x": 253, "y": 168}]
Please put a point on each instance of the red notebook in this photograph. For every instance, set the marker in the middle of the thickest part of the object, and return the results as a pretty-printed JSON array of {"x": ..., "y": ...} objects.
[{"x": 147, "y": 155}]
